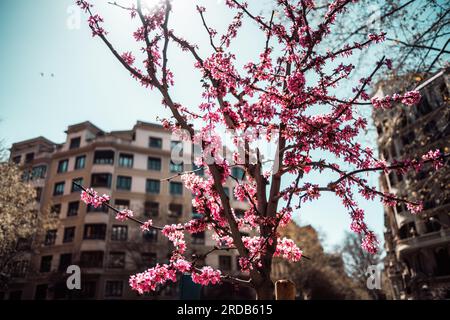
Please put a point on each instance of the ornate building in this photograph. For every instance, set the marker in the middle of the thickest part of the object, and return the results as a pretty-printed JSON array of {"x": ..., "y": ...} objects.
[
  {"x": 132, "y": 166},
  {"x": 417, "y": 246}
]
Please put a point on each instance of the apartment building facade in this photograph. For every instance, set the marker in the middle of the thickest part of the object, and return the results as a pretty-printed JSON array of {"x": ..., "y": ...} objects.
[
  {"x": 132, "y": 167},
  {"x": 417, "y": 247}
]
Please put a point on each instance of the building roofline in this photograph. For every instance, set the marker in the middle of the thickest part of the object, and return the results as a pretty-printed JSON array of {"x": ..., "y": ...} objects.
[
  {"x": 33, "y": 141},
  {"x": 151, "y": 125},
  {"x": 83, "y": 125}
]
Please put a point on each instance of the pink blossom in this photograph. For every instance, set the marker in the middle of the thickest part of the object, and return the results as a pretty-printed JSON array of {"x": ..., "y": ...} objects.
[
  {"x": 206, "y": 276},
  {"x": 124, "y": 214},
  {"x": 436, "y": 157},
  {"x": 370, "y": 243},
  {"x": 287, "y": 249},
  {"x": 415, "y": 208},
  {"x": 128, "y": 58},
  {"x": 182, "y": 265},
  {"x": 147, "y": 225},
  {"x": 296, "y": 83},
  {"x": 150, "y": 279},
  {"x": 410, "y": 98},
  {"x": 245, "y": 264},
  {"x": 91, "y": 197}
]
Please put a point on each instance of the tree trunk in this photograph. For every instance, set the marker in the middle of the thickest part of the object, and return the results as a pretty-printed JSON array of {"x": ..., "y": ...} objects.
[{"x": 265, "y": 289}]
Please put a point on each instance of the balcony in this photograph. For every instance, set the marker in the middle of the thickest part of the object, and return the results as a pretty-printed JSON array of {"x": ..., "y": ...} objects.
[{"x": 424, "y": 240}]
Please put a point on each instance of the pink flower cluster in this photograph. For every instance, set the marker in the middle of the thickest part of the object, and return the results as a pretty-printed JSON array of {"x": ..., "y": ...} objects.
[
  {"x": 245, "y": 264},
  {"x": 182, "y": 265},
  {"x": 206, "y": 276},
  {"x": 147, "y": 225},
  {"x": 94, "y": 22},
  {"x": 370, "y": 243},
  {"x": 151, "y": 278},
  {"x": 175, "y": 234},
  {"x": 128, "y": 58},
  {"x": 415, "y": 208},
  {"x": 296, "y": 82},
  {"x": 436, "y": 157},
  {"x": 124, "y": 214},
  {"x": 287, "y": 249},
  {"x": 410, "y": 98},
  {"x": 91, "y": 197}
]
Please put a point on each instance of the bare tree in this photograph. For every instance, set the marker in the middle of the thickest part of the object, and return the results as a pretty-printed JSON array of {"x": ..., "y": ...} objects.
[
  {"x": 357, "y": 261},
  {"x": 417, "y": 31}
]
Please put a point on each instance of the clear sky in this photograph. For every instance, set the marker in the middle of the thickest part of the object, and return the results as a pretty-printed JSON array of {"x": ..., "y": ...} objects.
[{"x": 88, "y": 84}]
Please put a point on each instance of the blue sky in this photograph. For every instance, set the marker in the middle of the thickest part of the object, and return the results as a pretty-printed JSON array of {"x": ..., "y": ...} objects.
[{"x": 88, "y": 84}]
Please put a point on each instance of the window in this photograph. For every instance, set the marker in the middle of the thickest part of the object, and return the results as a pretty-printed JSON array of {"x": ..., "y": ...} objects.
[
  {"x": 63, "y": 165},
  {"x": 60, "y": 290},
  {"x": 25, "y": 177},
  {"x": 75, "y": 143},
  {"x": 227, "y": 191},
  {"x": 50, "y": 238},
  {"x": 175, "y": 210},
  {"x": 102, "y": 208},
  {"x": 104, "y": 157},
  {"x": 15, "y": 295},
  {"x": 152, "y": 186},
  {"x": 24, "y": 244},
  {"x": 17, "y": 159},
  {"x": 91, "y": 259},
  {"x": 154, "y": 164},
  {"x": 46, "y": 263},
  {"x": 225, "y": 263},
  {"x": 199, "y": 170},
  {"x": 80, "y": 162},
  {"x": 154, "y": 142},
  {"x": 239, "y": 213},
  {"x": 41, "y": 292},
  {"x": 238, "y": 173},
  {"x": 176, "y": 167},
  {"x": 29, "y": 157},
  {"x": 88, "y": 289},
  {"x": 58, "y": 189},
  {"x": 149, "y": 259},
  {"x": 20, "y": 268},
  {"x": 126, "y": 160},
  {"x": 69, "y": 234},
  {"x": 65, "y": 260},
  {"x": 101, "y": 180},
  {"x": 78, "y": 181},
  {"x": 176, "y": 188},
  {"x": 116, "y": 260},
  {"x": 95, "y": 231},
  {"x": 119, "y": 233},
  {"x": 39, "y": 172},
  {"x": 122, "y": 204},
  {"x": 123, "y": 183},
  {"x": 38, "y": 194},
  {"x": 150, "y": 235},
  {"x": 113, "y": 289},
  {"x": 72, "y": 208},
  {"x": 151, "y": 209},
  {"x": 198, "y": 238},
  {"x": 55, "y": 209}
]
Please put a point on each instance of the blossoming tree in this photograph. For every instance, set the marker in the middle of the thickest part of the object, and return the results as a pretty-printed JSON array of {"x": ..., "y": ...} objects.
[{"x": 289, "y": 95}]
